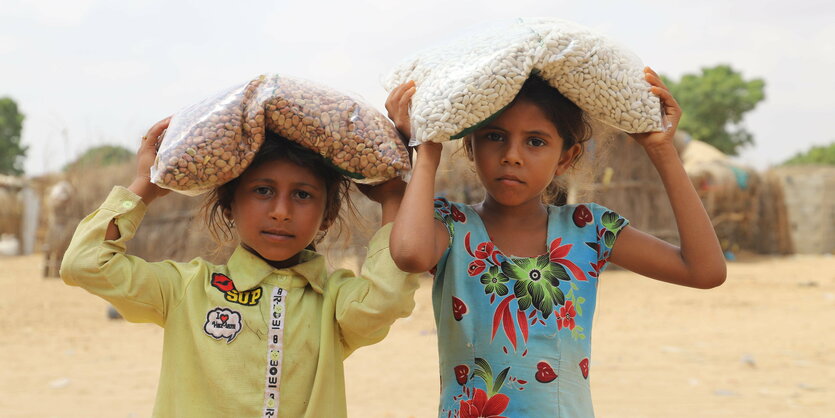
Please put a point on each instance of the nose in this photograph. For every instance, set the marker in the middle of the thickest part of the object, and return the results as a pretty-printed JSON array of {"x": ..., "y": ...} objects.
[
  {"x": 511, "y": 154},
  {"x": 282, "y": 208}
]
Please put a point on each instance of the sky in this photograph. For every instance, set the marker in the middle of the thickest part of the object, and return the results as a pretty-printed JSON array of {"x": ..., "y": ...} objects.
[{"x": 94, "y": 72}]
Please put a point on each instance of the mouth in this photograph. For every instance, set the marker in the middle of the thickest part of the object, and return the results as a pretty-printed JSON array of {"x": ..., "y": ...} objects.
[
  {"x": 277, "y": 234},
  {"x": 510, "y": 179}
]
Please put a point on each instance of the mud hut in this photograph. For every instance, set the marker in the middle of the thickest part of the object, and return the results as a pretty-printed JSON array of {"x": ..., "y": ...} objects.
[
  {"x": 11, "y": 214},
  {"x": 810, "y": 202}
]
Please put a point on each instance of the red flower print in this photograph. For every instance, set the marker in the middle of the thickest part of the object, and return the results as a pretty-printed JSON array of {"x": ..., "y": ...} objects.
[
  {"x": 596, "y": 267},
  {"x": 476, "y": 267},
  {"x": 557, "y": 254},
  {"x": 582, "y": 216},
  {"x": 461, "y": 373},
  {"x": 484, "y": 250},
  {"x": 459, "y": 308},
  {"x": 482, "y": 407},
  {"x": 565, "y": 317},
  {"x": 457, "y": 215},
  {"x": 584, "y": 367},
  {"x": 544, "y": 372}
]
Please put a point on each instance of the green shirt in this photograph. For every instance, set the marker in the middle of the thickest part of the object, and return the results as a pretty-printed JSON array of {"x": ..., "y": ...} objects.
[{"x": 239, "y": 334}]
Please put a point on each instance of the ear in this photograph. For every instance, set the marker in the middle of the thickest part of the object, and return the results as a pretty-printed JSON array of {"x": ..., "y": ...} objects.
[
  {"x": 468, "y": 146},
  {"x": 567, "y": 159}
]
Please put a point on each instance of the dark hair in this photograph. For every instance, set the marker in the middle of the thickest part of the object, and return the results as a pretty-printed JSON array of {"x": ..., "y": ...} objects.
[
  {"x": 219, "y": 201},
  {"x": 567, "y": 117}
]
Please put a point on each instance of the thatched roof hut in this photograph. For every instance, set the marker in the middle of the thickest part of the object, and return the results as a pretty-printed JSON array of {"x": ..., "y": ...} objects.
[
  {"x": 617, "y": 173},
  {"x": 169, "y": 230},
  {"x": 747, "y": 207}
]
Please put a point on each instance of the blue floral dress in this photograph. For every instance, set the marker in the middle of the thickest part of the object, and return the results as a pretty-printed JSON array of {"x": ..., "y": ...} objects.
[{"x": 514, "y": 333}]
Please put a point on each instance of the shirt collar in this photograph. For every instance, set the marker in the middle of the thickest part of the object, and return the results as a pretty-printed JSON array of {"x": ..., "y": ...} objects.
[{"x": 248, "y": 270}]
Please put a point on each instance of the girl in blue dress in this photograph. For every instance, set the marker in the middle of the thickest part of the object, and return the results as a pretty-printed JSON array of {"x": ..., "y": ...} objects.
[{"x": 515, "y": 279}]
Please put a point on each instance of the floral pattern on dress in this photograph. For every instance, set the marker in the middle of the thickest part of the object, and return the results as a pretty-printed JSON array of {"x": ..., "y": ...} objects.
[
  {"x": 612, "y": 224},
  {"x": 448, "y": 214},
  {"x": 476, "y": 402},
  {"x": 535, "y": 282},
  {"x": 529, "y": 304}
]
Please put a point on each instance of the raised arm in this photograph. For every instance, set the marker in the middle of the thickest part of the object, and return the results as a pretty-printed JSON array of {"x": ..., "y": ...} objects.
[
  {"x": 699, "y": 261},
  {"x": 141, "y": 184},
  {"x": 96, "y": 258},
  {"x": 417, "y": 240}
]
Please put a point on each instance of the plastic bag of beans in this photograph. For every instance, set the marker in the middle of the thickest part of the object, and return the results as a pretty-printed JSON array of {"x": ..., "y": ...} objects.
[
  {"x": 462, "y": 84},
  {"x": 212, "y": 142}
]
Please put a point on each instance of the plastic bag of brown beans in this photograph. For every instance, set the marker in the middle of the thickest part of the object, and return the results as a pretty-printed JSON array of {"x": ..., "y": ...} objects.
[{"x": 213, "y": 141}]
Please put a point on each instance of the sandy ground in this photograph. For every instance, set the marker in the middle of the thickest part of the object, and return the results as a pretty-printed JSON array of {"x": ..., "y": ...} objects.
[{"x": 763, "y": 344}]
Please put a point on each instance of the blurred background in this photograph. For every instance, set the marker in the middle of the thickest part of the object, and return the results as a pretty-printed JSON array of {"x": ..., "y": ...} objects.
[{"x": 81, "y": 82}]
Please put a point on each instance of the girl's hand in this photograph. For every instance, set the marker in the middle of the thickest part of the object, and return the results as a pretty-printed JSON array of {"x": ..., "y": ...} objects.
[
  {"x": 388, "y": 195},
  {"x": 145, "y": 157},
  {"x": 651, "y": 140},
  {"x": 392, "y": 189},
  {"x": 397, "y": 106}
]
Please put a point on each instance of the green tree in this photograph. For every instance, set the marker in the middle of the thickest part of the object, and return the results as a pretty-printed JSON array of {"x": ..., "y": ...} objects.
[
  {"x": 101, "y": 156},
  {"x": 11, "y": 152},
  {"x": 821, "y": 154},
  {"x": 714, "y": 103}
]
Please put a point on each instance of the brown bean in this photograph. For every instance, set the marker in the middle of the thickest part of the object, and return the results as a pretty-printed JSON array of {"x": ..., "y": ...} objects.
[{"x": 220, "y": 136}]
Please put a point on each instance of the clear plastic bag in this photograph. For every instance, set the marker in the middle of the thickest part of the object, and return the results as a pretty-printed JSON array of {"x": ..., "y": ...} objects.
[
  {"x": 463, "y": 83},
  {"x": 213, "y": 141}
]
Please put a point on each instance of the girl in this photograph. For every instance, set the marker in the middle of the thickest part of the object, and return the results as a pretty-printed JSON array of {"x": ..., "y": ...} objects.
[
  {"x": 515, "y": 279},
  {"x": 265, "y": 334}
]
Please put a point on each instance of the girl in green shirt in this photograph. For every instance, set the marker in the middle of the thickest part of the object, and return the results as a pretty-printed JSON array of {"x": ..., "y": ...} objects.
[{"x": 266, "y": 333}]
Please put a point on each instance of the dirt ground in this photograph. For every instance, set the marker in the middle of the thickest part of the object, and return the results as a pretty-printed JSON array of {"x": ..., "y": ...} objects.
[{"x": 763, "y": 344}]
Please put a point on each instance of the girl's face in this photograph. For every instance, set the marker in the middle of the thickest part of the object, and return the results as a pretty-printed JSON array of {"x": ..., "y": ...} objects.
[
  {"x": 278, "y": 208},
  {"x": 518, "y": 154}
]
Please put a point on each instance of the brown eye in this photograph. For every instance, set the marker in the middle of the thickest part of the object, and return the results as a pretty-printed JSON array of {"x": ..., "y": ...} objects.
[
  {"x": 494, "y": 136},
  {"x": 536, "y": 142},
  {"x": 301, "y": 194},
  {"x": 262, "y": 190}
]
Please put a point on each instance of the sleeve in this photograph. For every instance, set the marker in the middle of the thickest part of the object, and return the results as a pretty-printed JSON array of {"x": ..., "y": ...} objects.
[
  {"x": 444, "y": 214},
  {"x": 367, "y": 305},
  {"x": 608, "y": 225},
  {"x": 141, "y": 291}
]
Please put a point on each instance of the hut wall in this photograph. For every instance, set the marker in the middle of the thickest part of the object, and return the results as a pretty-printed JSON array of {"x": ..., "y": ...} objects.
[
  {"x": 810, "y": 201},
  {"x": 11, "y": 205}
]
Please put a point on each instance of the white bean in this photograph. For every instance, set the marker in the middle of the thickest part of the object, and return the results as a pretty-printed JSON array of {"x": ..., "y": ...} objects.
[{"x": 466, "y": 81}]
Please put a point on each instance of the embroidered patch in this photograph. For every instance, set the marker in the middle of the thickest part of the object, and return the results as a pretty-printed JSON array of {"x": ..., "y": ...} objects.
[
  {"x": 223, "y": 283},
  {"x": 223, "y": 323},
  {"x": 275, "y": 348}
]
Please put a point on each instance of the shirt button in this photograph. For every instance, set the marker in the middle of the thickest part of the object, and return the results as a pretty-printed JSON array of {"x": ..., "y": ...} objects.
[{"x": 127, "y": 204}]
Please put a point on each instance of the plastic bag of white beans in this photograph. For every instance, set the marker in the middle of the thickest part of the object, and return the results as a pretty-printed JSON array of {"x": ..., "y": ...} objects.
[
  {"x": 462, "y": 84},
  {"x": 213, "y": 141}
]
